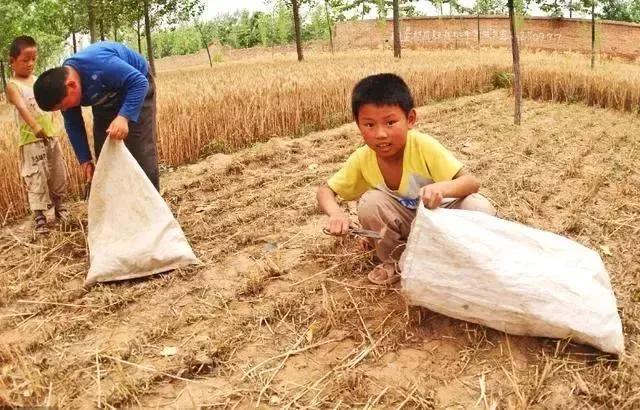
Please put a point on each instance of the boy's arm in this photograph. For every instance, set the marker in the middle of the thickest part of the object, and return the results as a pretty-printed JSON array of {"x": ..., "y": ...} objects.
[
  {"x": 74, "y": 124},
  {"x": 462, "y": 184},
  {"x": 452, "y": 181},
  {"x": 350, "y": 184},
  {"x": 119, "y": 74},
  {"x": 338, "y": 223},
  {"x": 14, "y": 97}
]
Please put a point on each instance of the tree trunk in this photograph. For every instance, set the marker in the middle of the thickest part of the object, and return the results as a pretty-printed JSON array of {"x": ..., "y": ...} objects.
[
  {"x": 72, "y": 29},
  {"x": 570, "y": 8},
  {"x": 115, "y": 30},
  {"x": 147, "y": 32},
  {"x": 101, "y": 26},
  {"x": 397, "y": 49},
  {"x": 515, "y": 50},
  {"x": 593, "y": 33},
  {"x": 92, "y": 21},
  {"x": 295, "y": 5},
  {"x": 204, "y": 43},
  {"x": 4, "y": 80},
  {"x": 478, "y": 28},
  {"x": 139, "y": 38},
  {"x": 206, "y": 47},
  {"x": 326, "y": 9}
]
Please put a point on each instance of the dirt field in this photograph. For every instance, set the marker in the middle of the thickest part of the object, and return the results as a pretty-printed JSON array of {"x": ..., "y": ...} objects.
[{"x": 280, "y": 315}]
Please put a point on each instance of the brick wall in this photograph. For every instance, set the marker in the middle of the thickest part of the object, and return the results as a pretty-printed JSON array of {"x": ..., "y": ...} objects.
[{"x": 615, "y": 38}]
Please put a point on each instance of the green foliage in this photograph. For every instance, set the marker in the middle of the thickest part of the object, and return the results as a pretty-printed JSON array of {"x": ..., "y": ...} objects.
[
  {"x": 244, "y": 29},
  {"x": 316, "y": 27},
  {"x": 488, "y": 7},
  {"x": 217, "y": 58},
  {"x": 185, "y": 40},
  {"x": 38, "y": 19},
  {"x": 621, "y": 10},
  {"x": 553, "y": 8},
  {"x": 502, "y": 79},
  {"x": 616, "y": 10},
  {"x": 383, "y": 8},
  {"x": 634, "y": 10}
]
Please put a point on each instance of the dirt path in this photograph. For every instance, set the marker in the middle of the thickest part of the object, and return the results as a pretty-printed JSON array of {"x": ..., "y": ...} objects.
[{"x": 280, "y": 315}]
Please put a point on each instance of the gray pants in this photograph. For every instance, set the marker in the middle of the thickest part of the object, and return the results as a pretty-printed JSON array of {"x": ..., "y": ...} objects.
[
  {"x": 378, "y": 211},
  {"x": 44, "y": 172},
  {"x": 141, "y": 140}
]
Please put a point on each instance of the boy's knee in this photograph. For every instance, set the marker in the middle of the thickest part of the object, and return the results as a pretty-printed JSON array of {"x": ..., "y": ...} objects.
[
  {"x": 478, "y": 203},
  {"x": 370, "y": 204}
]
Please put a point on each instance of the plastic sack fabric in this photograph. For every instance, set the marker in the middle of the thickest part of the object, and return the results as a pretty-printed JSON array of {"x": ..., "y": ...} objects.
[
  {"x": 510, "y": 277},
  {"x": 132, "y": 232}
]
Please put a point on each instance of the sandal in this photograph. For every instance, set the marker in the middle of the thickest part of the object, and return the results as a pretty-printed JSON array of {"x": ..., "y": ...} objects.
[
  {"x": 40, "y": 222},
  {"x": 391, "y": 274}
]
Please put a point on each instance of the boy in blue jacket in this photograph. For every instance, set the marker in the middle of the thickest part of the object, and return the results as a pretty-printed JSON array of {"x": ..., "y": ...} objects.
[{"x": 115, "y": 81}]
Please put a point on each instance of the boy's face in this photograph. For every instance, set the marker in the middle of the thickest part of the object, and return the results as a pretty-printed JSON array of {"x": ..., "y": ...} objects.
[
  {"x": 73, "y": 97},
  {"x": 71, "y": 100},
  {"x": 384, "y": 128},
  {"x": 24, "y": 64}
]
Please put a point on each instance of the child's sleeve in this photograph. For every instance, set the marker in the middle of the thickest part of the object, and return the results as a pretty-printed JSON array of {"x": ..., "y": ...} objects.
[
  {"x": 441, "y": 163},
  {"x": 74, "y": 124},
  {"x": 349, "y": 182},
  {"x": 121, "y": 75}
]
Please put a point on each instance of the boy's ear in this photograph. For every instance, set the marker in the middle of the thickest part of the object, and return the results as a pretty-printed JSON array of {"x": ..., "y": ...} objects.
[
  {"x": 412, "y": 118},
  {"x": 70, "y": 83}
]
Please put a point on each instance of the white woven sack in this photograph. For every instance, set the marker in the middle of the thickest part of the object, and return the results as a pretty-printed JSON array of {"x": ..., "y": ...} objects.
[
  {"x": 132, "y": 232},
  {"x": 510, "y": 277}
]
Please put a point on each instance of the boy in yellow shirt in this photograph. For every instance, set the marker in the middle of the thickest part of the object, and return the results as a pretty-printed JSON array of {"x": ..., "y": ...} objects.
[
  {"x": 41, "y": 162},
  {"x": 394, "y": 170}
]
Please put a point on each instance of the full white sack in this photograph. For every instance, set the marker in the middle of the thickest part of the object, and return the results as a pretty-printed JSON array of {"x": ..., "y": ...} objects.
[
  {"x": 132, "y": 232},
  {"x": 510, "y": 277}
]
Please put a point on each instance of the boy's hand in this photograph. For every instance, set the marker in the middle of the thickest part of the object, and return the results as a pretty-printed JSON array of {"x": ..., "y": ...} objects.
[
  {"x": 41, "y": 134},
  {"x": 431, "y": 195},
  {"x": 87, "y": 170},
  {"x": 338, "y": 223},
  {"x": 119, "y": 128}
]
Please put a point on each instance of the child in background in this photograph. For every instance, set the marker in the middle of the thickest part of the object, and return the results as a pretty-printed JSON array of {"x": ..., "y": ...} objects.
[
  {"x": 397, "y": 168},
  {"x": 41, "y": 162}
]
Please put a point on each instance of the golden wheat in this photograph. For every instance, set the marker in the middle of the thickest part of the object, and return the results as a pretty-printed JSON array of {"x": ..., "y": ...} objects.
[{"x": 228, "y": 107}]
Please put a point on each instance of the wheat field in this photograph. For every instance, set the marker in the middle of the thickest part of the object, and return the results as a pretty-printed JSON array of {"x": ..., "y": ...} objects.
[
  {"x": 235, "y": 104},
  {"x": 279, "y": 315}
]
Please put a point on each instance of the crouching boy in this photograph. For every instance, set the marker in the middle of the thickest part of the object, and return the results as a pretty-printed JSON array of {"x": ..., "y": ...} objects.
[{"x": 394, "y": 170}]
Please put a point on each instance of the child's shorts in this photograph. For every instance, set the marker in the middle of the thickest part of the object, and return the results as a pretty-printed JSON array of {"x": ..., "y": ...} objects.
[{"x": 44, "y": 172}]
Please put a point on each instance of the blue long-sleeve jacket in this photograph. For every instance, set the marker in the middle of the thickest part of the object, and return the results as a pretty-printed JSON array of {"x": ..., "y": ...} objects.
[{"x": 104, "y": 68}]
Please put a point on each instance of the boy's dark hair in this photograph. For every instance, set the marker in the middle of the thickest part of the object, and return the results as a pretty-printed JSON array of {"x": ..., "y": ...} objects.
[
  {"x": 20, "y": 43},
  {"x": 381, "y": 89},
  {"x": 50, "y": 88}
]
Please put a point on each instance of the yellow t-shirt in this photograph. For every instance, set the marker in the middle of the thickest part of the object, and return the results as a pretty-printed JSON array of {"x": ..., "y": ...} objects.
[{"x": 425, "y": 161}]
